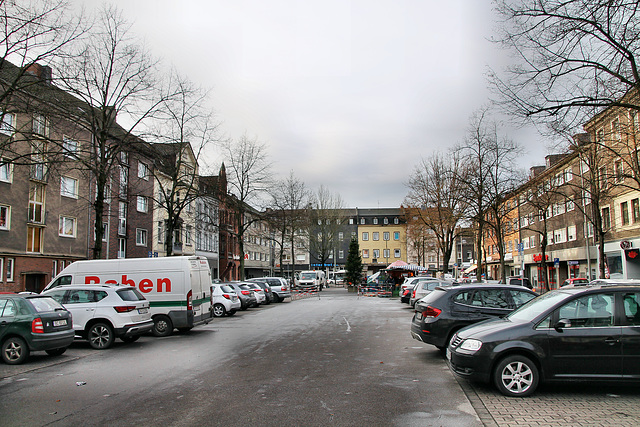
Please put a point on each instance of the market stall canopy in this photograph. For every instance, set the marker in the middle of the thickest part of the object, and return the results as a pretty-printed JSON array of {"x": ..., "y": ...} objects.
[
  {"x": 401, "y": 265},
  {"x": 470, "y": 269}
]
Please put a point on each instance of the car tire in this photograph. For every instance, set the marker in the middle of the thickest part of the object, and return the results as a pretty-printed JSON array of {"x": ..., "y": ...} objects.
[
  {"x": 14, "y": 351},
  {"x": 218, "y": 310},
  {"x": 516, "y": 376},
  {"x": 162, "y": 326},
  {"x": 100, "y": 336},
  {"x": 56, "y": 351},
  {"x": 231, "y": 312},
  {"x": 130, "y": 339},
  {"x": 244, "y": 307}
]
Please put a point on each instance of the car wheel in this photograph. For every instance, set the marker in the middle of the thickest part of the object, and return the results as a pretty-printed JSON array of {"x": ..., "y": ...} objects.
[
  {"x": 218, "y": 310},
  {"x": 130, "y": 339},
  {"x": 231, "y": 312},
  {"x": 14, "y": 351},
  {"x": 56, "y": 351},
  {"x": 244, "y": 307},
  {"x": 516, "y": 376},
  {"x": 162, "y": 326},
  {"x": 100, "y": 336}
]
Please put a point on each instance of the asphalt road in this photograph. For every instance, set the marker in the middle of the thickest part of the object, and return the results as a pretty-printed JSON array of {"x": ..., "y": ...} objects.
[{"x": 333, "y": 360}]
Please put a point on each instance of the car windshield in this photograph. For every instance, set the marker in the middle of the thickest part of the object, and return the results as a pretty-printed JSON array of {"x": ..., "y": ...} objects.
[
  {"x": 226, "y": 288},
  {"x": 130, "y": 294},
  {"x": 536, "y": 306},
  {"x": 44, "y": 304},
  {"x": 307, "y": 276}
]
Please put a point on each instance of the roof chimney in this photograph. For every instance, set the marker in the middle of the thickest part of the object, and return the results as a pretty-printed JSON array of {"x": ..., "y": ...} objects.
[{"x": 42, "y": 72}]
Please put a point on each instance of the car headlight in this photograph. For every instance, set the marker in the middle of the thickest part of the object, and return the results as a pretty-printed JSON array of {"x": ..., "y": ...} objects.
[{"x": 470, "y": 345}]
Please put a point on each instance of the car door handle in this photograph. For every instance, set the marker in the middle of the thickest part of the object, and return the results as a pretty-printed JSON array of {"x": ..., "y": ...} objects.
[{"x": 611, "y": 341}]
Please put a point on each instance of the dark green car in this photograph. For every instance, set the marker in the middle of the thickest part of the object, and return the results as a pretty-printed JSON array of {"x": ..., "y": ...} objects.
[{"x": 33, "y": 323}]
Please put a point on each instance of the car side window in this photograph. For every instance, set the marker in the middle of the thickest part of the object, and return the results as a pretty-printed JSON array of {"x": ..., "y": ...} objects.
[
  {"x": 79, "y": 296},
  {"x": 9, "y": 309},
  {"x": 99, "y": 295},
  {"x": 64, "y": 280},
  {"x": 57, "y": 295},
  {"x": 595, "y": 310},
  {"x": 519, "y": 297},
  {"x": 3, "y": 303},
  {"x": 632, "y": 308},
  {"x": 492, "y": 298},
  {"x": 462, "y": 297}
]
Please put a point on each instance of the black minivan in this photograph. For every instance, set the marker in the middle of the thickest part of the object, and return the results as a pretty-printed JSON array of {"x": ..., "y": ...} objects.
[
  {"x": 578, "y": 333},
  {"x": 450, "y": 308}
]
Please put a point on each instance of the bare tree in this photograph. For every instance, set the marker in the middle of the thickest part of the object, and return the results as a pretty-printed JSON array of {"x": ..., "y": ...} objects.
[
  {"x": 435, "y": 197},
  {"x": 575, "y": 55},
  {"x": 33, "y": 37},
  {"x": 112, "y": 75},
  {"x": 288, "y": 215},
  {"x": 326, "y": 221},
  {"x": 249, "y": 178},
  {"x": 184, "y": 130}
]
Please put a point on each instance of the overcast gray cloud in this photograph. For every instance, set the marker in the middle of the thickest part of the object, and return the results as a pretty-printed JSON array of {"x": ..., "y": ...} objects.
[{"x": 347, "y": 94}]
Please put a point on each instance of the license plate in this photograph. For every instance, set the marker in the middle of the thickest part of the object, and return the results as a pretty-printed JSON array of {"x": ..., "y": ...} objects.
[
  {"x": 62, "y": 322},
  {"x": 143, "y": 310}
]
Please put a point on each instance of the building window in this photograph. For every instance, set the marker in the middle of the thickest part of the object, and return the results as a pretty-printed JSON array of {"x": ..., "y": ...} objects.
[
  {"x": 70, "y": 148},
  {"x": 376, "y": 253},
  {"x": 67, "y": 227},
  {"x": 635, "y": 210},
  {"x": 606, "y": 218},
  {"x": 122, "y": 218},
  {"x": 588, "y": 229},
  {"x": 365, "y": 253},
  {"x": 571, "y": 231},
  {"x": 350, "y": 221},
  {"x": 365, "y": 235},
  {"x": 142, "y": 204},
  {"x": 5, "y": 217},
  {"x": 54, "y": 268},
  {"x": 340, "y": 236},
  {"x": 624, "y": 213},
  {"x": 6, "y": 126},
  {"x": 618, "y": 171},
  {"x": 341, "y": 254},
  {"x": 69, "y": 187},
  {"x": 386, "y": 253},
  {"x": 141, "y": 237},
  {"x": 122, "y": 248},
  {"x": 124, "y": 180},
  {"x": 385, "y": 235},
  {"x": 5, "y": 171},
  {"x": 187, "y": 235},
  {"x": 396, "y": 235},
  {"x": 385, "y": 221},
  {"x": 568, "y": 174},
  {"x": 39, "y": 125},
  {"x": 362, "y": 221},
  {"x": 532, "y": 241},
  {"x": 36, "y": 203},
  {"x": 570, "y": 205},
  {"x": 396, "y": 221},
  {"x": 160, "y": 231},
  {"x": 34, "y": 239},
  {"x": 376, "y": 236},
  {"x": 9, "y": 273},
  {"x": 143, "y": 171},
  {"x": 375, "y": 221},
  {"x": 124, "y": 157},
  {"x": 397, "y": 253}
]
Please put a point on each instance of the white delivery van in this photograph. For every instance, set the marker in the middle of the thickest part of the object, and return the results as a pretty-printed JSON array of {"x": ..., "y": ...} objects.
[
  {"x": 311, "y": 280},
  {"x": 178, "y": 288}
]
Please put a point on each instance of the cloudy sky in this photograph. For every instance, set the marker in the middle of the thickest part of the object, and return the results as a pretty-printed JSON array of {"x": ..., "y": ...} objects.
[{"x": 348, "y": 94}]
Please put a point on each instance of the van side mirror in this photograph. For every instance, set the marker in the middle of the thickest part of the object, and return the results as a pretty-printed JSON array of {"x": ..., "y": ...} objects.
[{"x": 562, "y": 324}]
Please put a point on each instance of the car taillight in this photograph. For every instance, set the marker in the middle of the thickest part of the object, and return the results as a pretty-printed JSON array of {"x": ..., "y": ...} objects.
[
  {"x": 227, "y": 296},
  {"x": 248, "y": 293},
  {"x": 431, "y": 312},
  {"x": 413, "y": 294},
  {"x": 189, "y": 296},
  {"x": 125, "y": 308},
  {"x": 36, "y": 326}
]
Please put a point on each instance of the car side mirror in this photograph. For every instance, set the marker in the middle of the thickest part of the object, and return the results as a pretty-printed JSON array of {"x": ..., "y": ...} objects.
[{"x": 562, "y": 324}]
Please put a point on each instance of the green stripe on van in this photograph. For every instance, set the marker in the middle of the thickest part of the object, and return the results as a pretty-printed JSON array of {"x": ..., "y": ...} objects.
[{"x": 167, "y": 303}]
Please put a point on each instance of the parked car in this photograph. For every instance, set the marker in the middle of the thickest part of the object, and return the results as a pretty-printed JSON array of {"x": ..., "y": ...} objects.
[
  {"x": 245, "y": 293},
  {"x": 425, "y": 287},
  {"x": 32, "y": 323},
  {"x": 261, "y": 298},
  {"x": 450, "y": 308},
  {"x": 585, "y": 333},
  {"x": 520, "y": 281},
  {"x": 279, "y": 286},
  {"x": 575, "y": 281},
  {"x": 224, "y": 300},
  {"x": 408, "y": 285},
  {"x": 102, "y": 313},
  {"x": 268, "y": 293}
]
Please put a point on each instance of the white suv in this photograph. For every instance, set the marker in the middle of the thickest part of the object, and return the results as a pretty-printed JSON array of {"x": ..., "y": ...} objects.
[
  {"x": 103, "y": 312},
  {"x": 224, "y": 300}
]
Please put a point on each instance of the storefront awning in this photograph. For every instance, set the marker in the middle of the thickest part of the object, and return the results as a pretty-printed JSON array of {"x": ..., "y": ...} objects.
[{"x": 470, "y": 269}]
